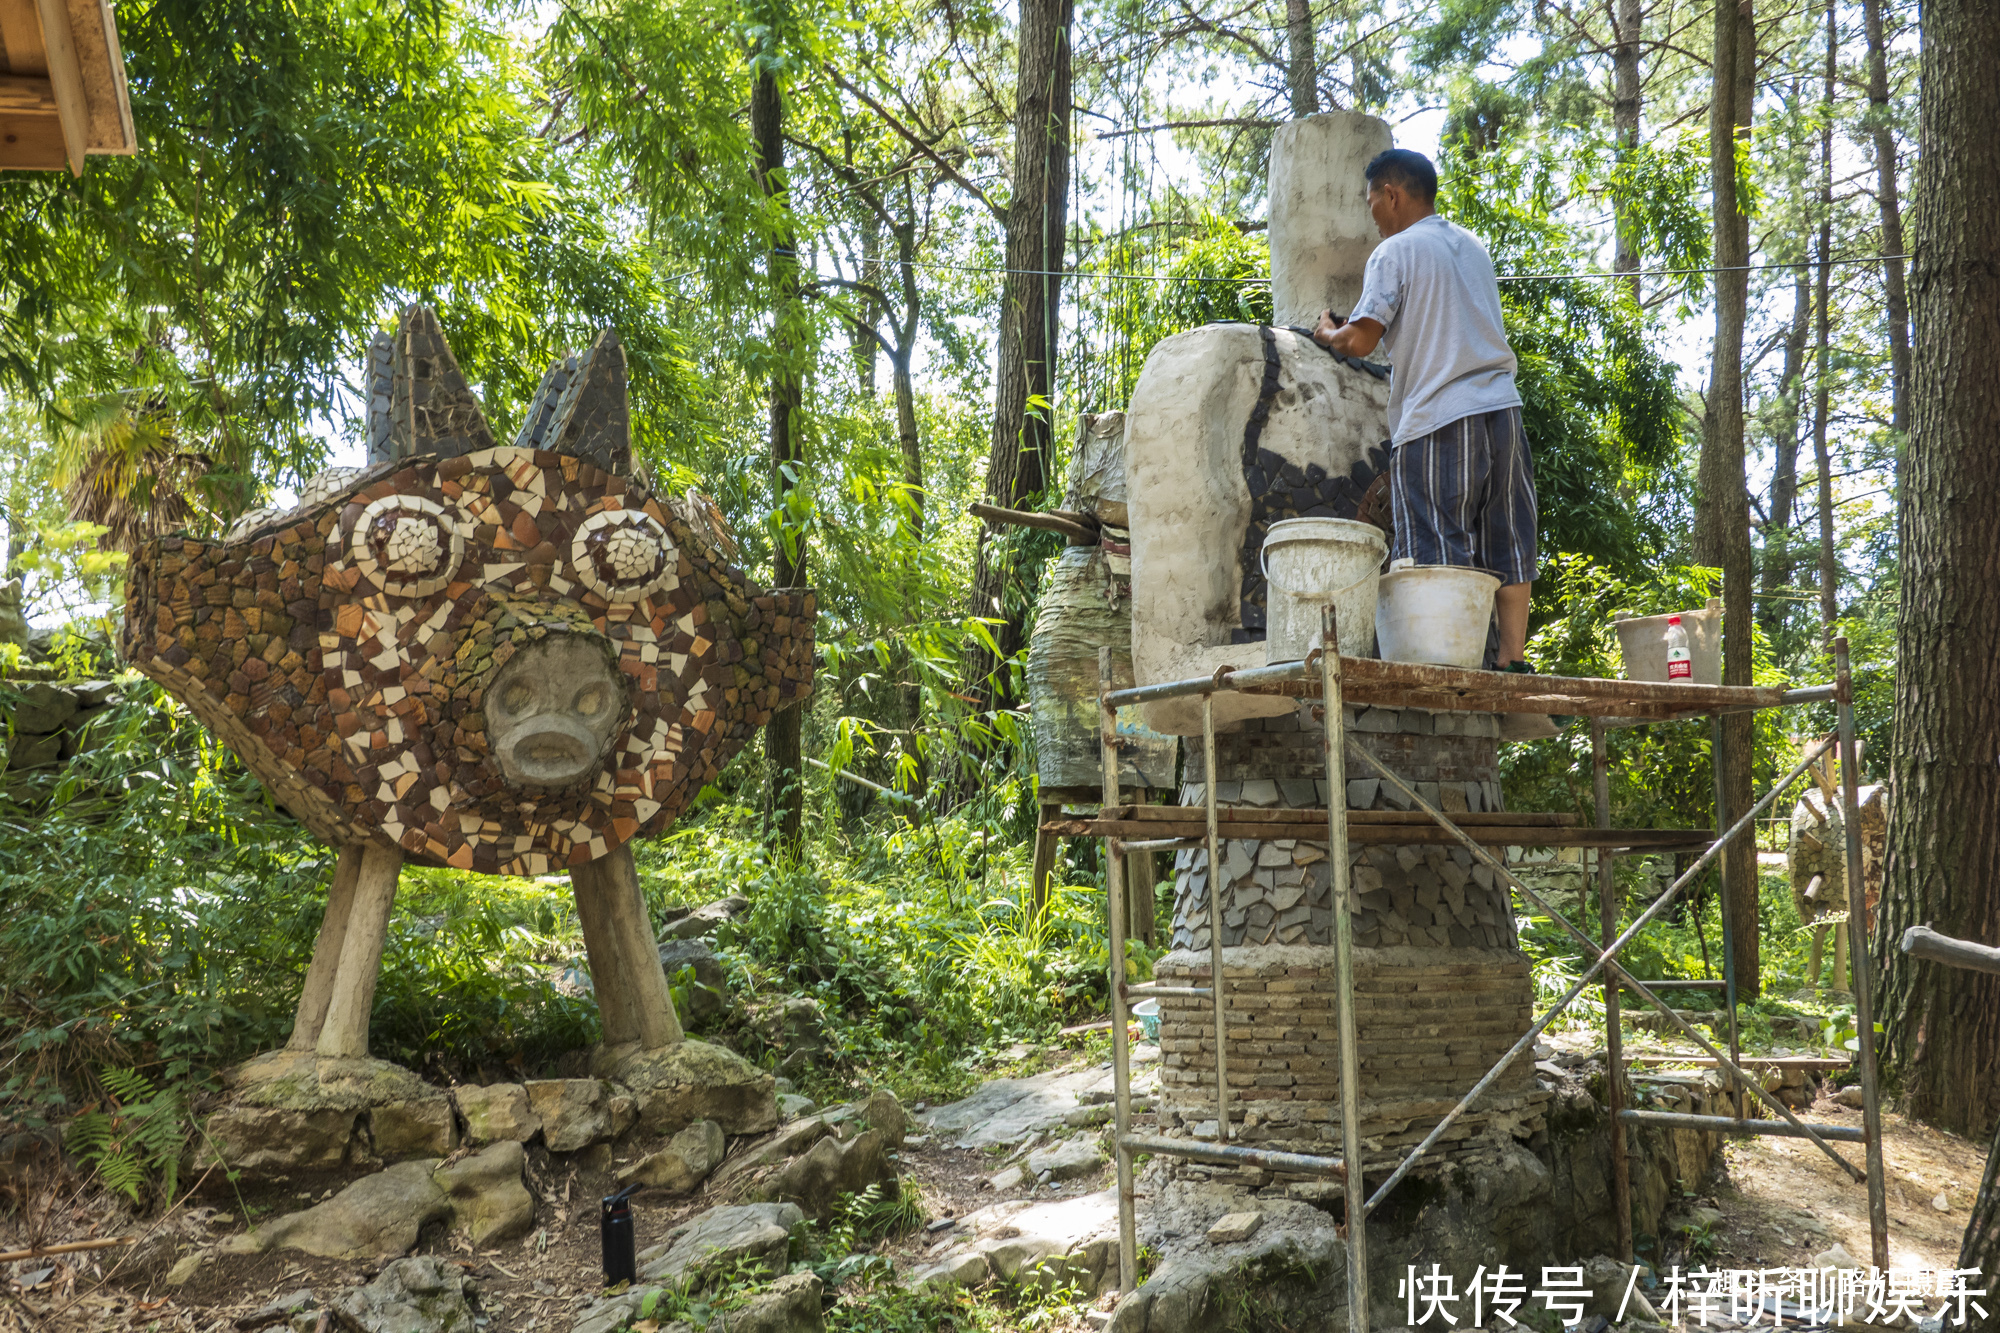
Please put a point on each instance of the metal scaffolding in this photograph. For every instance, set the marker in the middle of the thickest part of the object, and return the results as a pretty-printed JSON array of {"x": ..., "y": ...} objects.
[{"x": 1335, "y": 680}]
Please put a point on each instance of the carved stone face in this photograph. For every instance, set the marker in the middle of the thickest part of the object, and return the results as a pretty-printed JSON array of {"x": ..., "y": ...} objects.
[
  {"x": 507, "y": 659},
  {"x": 552, "y": 712}
]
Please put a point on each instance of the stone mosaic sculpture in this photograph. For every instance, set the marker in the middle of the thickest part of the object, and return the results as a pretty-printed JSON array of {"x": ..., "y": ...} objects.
[{"x": 512, "y": 659}]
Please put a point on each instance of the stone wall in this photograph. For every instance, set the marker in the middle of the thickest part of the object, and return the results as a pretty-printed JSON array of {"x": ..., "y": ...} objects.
[
  {"x": 1442, "y": 989},
  {"x": 1279, "y": 892},
  {"x": 45, "y": 720},
  {"x": 1430, "y": 1024}
]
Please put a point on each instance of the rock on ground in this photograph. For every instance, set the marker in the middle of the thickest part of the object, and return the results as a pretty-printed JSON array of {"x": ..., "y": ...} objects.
[
  {"x": 574, "y": 1112},
  {"x": 292, "y": 1110},
  {"x": 1073, "y": 1157},
  {"x": 497, "y": 1113},
  {"x": 378, "y": 1214},
  {"x": 759, "y": 1233},
  {"x": 674, "y": 1086},
  {"x": 1042, "y": 1243},
  {"x": 789, "y": 1141},
  {"x": 705, "y": 918},
  {"x": 1005, "y": 1111},
  {"x": 486, "y": 1195},
  {"x": 683, "y": 1164},
  {"x": 882, "y": 1111},
  {"x": 383, "y": 1213},
  {"x": 403, "y": 1130},
  {"x": 818, "y": 1178},
  {"x": 709, "y": 994},
  {"x": 419, "y": 1295},
  {"x": 789, "y": 1305}
]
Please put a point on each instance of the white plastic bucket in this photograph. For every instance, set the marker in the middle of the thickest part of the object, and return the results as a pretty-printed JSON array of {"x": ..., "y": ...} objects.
[
  {"x": 1643, "y": 642},
  {"x": 1436, "y": 614},
  {"x": 1308, "y": 562}
]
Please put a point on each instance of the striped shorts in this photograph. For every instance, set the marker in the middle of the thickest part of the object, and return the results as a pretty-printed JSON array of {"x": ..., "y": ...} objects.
[{"x": 1465, "y": 495}]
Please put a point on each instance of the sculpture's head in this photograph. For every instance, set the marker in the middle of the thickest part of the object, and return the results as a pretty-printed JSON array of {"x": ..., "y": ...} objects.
[{"x": 508, "y": 659}]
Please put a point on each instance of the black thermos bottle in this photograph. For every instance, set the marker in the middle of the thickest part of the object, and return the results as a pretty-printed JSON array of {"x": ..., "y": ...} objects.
[{"x": 620, "y": 1252}]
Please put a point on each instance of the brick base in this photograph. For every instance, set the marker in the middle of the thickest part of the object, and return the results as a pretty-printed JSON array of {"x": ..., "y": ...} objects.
[{"x": 1431, "y": 1022}]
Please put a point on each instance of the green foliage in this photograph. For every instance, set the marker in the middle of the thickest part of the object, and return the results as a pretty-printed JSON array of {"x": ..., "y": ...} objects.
[
  {"x": 134, "y": 1141},
  {"x": 305, "y": 168},
  {"x": 178, "y": 930},
  {"x": 1599, "y": 406},
  {"x": 473, "y": 973}
]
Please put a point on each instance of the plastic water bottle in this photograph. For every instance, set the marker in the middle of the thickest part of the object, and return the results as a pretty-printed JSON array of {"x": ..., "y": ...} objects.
[{"x": 1680, "y": 660}]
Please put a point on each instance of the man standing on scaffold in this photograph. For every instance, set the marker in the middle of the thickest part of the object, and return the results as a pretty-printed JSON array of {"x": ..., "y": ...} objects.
[{"x": 1461, "y": 481}]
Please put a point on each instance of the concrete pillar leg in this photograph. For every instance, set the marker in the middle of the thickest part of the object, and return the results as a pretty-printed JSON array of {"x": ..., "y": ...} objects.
[
  {"x": 351, "y": 1000},
  {"x": 318, "y": 992},
  {"x": 625, "y": 971}
]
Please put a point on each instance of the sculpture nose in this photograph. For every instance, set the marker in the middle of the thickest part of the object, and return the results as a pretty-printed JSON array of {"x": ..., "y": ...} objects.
[{"x": 552, "y": 711}]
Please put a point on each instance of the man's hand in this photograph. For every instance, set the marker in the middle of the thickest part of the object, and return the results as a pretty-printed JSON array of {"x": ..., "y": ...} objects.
[{"x": 1356, "y": 338}]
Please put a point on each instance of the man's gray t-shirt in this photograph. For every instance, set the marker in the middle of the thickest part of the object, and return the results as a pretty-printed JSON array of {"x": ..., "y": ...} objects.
[{"x": 1431, "y": 287}]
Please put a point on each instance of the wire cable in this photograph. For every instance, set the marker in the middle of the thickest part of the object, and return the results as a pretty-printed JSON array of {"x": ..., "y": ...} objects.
[{"x": 1504, "y": 277}]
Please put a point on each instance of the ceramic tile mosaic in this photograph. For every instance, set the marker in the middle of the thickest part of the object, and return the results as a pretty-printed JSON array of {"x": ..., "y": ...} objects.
[{"x": 344, "y": 648}]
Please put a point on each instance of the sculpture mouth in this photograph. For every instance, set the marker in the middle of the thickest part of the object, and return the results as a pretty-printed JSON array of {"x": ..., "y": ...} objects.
[
  {"x": 553, "y": 710},
  {"x": 557, "y": 754}
]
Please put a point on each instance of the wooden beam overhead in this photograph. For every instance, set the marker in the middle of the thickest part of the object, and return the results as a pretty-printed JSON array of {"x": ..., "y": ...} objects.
[
  {"x": 21, "y": 36},
  {"x": 66, "y": 77},
  {"x": 63, "y": 94}
]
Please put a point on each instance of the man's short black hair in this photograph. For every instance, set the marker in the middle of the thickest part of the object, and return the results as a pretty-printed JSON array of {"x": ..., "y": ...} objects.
[{"x": 1407, "y": 168}]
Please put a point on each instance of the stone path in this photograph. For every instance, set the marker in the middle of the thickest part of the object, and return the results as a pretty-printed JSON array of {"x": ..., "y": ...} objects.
[{"x": 1007, "y": 1110}]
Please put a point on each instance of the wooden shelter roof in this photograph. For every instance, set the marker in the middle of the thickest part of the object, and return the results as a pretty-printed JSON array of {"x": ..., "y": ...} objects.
[{"x": 62, "y": 85}]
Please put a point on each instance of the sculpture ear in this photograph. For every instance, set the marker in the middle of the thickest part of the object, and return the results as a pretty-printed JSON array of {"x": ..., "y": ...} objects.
[
  {"x": 592, "y": 420},
  {"x": 419, "y": 400},
  {"x": 535, "y": 428}
]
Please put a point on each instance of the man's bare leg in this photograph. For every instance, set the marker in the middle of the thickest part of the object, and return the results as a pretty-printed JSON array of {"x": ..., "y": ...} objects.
[{"x": 1511, "y": 602}]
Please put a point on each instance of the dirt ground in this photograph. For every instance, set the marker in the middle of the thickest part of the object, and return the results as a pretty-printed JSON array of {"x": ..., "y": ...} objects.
[
  {"x": 1783, "y": 1202},
  {"x": 530, "y": 1286}
]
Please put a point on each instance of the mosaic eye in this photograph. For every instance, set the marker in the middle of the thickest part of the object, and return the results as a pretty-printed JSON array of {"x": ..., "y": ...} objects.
[
  {"x": 624, "y": 554},
  {"x": 407, "y": 546}
]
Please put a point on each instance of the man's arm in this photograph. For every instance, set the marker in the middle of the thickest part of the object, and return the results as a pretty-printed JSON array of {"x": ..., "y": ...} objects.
[{"x": 1356, "y": 338}]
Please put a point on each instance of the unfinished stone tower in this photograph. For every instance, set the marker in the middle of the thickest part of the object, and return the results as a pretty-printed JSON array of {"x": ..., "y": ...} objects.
[{"x": 1231, "y": 428}]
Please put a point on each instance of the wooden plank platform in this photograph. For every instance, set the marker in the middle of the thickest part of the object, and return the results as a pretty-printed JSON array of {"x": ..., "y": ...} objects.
[
  {"x": 1365, "y": 829},
  {"x": 1806, "y": 1062},
  {"x": 1368, "y": 680}
]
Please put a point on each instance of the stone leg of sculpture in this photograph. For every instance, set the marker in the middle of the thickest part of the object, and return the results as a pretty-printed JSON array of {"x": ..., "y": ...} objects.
[
  {"x": 318, "y": 991},
  {"x": 625, "y": 969},
  {"x": 351, "y": 997}
]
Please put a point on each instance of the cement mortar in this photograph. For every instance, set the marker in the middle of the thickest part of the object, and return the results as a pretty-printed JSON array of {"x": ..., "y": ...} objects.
[{"x": 1190, "y": 499}]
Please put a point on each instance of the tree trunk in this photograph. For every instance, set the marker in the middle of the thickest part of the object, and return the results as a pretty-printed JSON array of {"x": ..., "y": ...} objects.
[
  {"x": 1943, "y": 1025},
  {"x": 906, "y": 394},
  {"x": 1626, "y": 96},
  {"x": 859, "y": 342},
  {"x": 1785, "y": 465},
  {"x": 786, "y": 807},
  {"x": 1302, "y": 67},
  {"x": 1894, "y": 297},
  {"x": 1017, "y": 471},
  {"x": 1722, "y": 518},
  {"x": 1829, "y": 565}
]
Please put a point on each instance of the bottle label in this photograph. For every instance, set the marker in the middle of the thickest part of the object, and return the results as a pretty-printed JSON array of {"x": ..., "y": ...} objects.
[{"x": 1680, "y": 668}]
